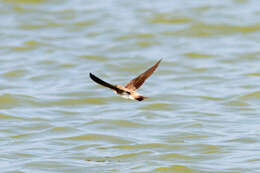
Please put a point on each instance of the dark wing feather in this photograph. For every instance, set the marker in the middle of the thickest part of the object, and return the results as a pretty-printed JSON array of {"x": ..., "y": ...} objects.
[
  {"x": 138, "y": 81},
  {"x": 101, "y": 82}
]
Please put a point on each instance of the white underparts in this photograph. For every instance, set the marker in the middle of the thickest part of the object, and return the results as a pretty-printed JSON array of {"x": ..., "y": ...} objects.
[{"x": 126, "y": 96}]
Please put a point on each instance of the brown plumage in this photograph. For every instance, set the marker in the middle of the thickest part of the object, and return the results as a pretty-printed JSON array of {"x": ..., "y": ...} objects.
[
  {"x": 138, "y": 81},
  {"x": 129, "y": 91}
]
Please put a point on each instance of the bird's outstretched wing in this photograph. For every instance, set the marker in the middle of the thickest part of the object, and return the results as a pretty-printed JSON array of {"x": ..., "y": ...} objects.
[
  {"x": 103, "y": 83},
  {"x": 138, "y": 81}
]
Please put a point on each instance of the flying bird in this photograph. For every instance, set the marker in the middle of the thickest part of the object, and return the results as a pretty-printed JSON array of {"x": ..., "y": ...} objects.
[{"x": 128, "y": 91}]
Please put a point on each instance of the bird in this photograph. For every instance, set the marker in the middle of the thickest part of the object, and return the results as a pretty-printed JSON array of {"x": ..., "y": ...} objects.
[{"x": 129, "y": 91}]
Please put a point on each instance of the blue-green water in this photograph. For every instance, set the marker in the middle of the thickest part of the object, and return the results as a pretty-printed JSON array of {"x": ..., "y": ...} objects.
[{"x": 203, "y": 114}]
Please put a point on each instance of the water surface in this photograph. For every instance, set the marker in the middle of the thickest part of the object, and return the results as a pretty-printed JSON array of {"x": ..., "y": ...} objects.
[{"x": 203, "y": 111}]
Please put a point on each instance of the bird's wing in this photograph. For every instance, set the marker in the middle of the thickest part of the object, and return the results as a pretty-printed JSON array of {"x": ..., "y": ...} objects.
[
  {"x": 138, "y": 81},
  {"x": 103, "y": 83}
]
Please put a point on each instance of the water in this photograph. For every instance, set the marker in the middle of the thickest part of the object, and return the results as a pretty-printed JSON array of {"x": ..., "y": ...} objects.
[{"x": 203, "y": 111}]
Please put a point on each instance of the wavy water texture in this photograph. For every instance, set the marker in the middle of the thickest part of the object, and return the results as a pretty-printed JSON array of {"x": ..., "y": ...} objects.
[{"x": 202, "y": 115}]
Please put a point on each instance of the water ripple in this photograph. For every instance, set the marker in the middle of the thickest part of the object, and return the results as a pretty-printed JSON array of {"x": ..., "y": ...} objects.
[{"x": 203, "y": 106}]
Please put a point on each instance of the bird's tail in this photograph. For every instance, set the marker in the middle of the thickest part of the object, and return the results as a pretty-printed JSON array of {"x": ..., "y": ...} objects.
[{"x": 141, "y": 98}]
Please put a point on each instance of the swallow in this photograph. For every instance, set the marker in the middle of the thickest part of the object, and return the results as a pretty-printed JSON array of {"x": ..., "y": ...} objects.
[{"x": 129, "y": 91}]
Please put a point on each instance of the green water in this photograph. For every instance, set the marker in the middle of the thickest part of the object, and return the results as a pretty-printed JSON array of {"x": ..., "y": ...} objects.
[{"x": 202, "y": 115}]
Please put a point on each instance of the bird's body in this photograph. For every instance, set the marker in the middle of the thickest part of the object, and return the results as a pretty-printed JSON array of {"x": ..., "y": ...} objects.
[
  {"x": 130, "y": 90},
  {"x": 130, "y": 94}
]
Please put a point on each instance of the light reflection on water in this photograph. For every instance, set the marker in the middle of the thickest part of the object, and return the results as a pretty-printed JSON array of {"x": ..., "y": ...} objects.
[{"x": 202, "y": 115}]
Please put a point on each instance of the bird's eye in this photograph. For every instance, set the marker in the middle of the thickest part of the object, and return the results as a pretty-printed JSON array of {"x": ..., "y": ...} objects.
[{"x": 128, "y": 92}]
